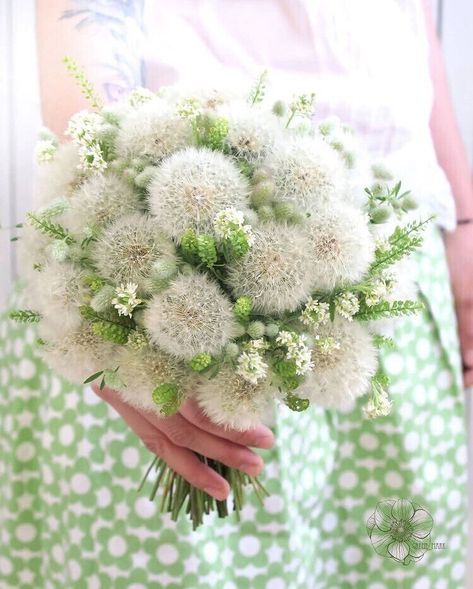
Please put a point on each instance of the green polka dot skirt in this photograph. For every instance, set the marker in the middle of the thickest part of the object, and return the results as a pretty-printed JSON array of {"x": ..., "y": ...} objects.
[{"x": 70, "y": 514}]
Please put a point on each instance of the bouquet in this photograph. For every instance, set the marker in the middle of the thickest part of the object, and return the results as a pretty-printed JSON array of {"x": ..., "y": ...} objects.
[{"x": 218, "y": 246}]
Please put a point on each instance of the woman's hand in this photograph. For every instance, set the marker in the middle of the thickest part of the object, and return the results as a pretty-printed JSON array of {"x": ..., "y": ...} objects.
[
  {"x": 459, "y": 244},
  {"x": 176, "y": 438}
]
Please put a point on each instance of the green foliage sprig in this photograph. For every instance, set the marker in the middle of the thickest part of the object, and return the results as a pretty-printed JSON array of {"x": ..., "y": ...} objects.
[
  {"x": 24, "y": 316},
  {"x": 258, "y": 91},
  {"x": 85, "y": 85},
  {"x": 54, "y": 230},
  {"x": 386, "y": 309}
]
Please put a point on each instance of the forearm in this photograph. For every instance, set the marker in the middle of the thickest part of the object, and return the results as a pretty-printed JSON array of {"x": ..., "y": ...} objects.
[
  {"x": 449, "y": 147},
  {"x": 103, "y": 38}
]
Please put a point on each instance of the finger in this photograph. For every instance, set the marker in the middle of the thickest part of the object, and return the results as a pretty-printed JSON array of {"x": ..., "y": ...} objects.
[
  {"x": 184, "y": 434},
  {"x": 468, "y": 378},
  {"x": 259, "y": 437},
  {"x": 181, "y": 460}
]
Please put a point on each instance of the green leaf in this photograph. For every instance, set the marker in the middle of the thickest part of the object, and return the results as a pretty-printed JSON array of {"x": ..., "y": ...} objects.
[
  {"x": 296, "y": 403},
  {"x": 24, "y": 316},
  {"x": 92, "y": 377}
]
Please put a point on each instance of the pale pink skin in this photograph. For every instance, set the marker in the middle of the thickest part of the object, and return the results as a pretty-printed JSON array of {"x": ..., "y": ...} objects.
[
  {"x": 176, "y": 438},
  {"x": 57, "y": 38}
]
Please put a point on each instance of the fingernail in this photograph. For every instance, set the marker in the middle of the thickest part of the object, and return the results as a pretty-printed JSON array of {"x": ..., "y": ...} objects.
[
  {"x": 216, "y": 492},
  {"x": 264, "y": 441},
  {"x": 252, "y": 467}
]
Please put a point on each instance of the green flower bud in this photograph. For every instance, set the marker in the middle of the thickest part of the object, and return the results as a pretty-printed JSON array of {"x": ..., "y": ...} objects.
[
  {"x": 255, "y": 329},
  {"x": 144, "y": 178},
  {"x": 380, "y": 214},
  {"x": 243, "y": 307},
  {"x": 337, "y": 145},
  {"x": 266, "y": 213},
  {"x": 326, "y": 127},
  {"x": 408, "y": 202},
  {"x": 380, "y": 172},
  {"x": 283, "y": 210},
  {"x": 279, "y": 108},
  {"x": 200, "y": 361},
  {"x": 168, "y": 396},
  {"x": 262, "y": 193},
  {"x": 164, "y": 269},
  {"x": 271, "y": 330},
  {"x": 260, "y": 175},
  {"x": 112, "y": 332},
  {"x": 232, "y": 350},
  {"x": 207, "y": 249},
  {"x": 137, "y": 340},
  {"x": 102, "y": 300}
]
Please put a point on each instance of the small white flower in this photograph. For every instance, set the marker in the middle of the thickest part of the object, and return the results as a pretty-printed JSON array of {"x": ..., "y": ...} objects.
[
  {"x": 139, "y": 96},
  {"x": 126, "y": 299},
  {"x": 45, "y": 150},
  {"x": 229, "y": 221},
  {"x": 251, "y": 367},
  {"x": 297, "y": 350},
  {"x": 378, "y": 406},
  {"x": 84, "y": 127},
  {"x": 315, "y": 312},
  {"x": 91, "y": 158},
  {"x": 256, "y": 344},
  {"x": 347, "y": 305}
]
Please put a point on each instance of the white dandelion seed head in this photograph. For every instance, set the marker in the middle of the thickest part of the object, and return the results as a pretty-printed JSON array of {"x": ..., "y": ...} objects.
[
  {"x": 60, "y": 176},
  {"x": 76, "y": 354},
  {"x": 100, "y": 199},
  {"x": 192, "y": 186},
  {"x": 341, "y": 372},
  {"x": 59, "y": 292},
  {"x": 252, "y": 132},
  {"x": 276, "y": 271},
  {"x": 127, "y": 249},
  {"x": 341, "y": 246},
  {"x": 153, "y": 131},
  {"x": 142, "y": 370},
  {"x": 306, "y": 172},
  {"x": 191, "y": 316},
  {"x": 232, "y": 401}
]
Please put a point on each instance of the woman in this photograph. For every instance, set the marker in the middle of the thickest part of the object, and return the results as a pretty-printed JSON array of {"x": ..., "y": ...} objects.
[{"x": 70, "y": 465}]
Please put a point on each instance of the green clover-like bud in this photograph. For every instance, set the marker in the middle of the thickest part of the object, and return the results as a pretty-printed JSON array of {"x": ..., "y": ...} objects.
[
  {"x": 164, "y": 269},
  {"x": 239, "y": 243},
  {"x": 102, "y": 300},
  {"x": 207, "y": 249},
  {"x": 137, "y": 340},
  {"x": 112, "y": 332},
  {"x": 144, "y": 178},
  {"x": 380, "y": 214},
  {"x": 295, "y": 403},
  {"x": 283, "y": 210},
  {"x": 168, "y": 396},
  {"x": 200, "y": 361},
  {"x": 243, "y": 307},
  {"x": 408, "y": 203},
  {"x": 262, "y": 193}
]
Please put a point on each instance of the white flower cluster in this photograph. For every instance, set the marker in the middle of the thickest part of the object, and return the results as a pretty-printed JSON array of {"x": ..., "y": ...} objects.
[
  {"x": 229, "y": 221},
  {"x": 209, "y": 247},
  {"x": 85, "y": 129},
  {"x": 126, "y": 299},
  {"x": 297, "y": 350}
]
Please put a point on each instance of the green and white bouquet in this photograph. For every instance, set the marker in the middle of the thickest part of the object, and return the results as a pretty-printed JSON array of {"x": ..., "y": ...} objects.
[{"x": 215, "y": 246}]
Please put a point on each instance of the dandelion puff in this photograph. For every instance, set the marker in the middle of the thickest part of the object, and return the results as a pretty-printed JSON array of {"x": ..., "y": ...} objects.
[
  {"x": 342, "y": 372},
  {"x": 127, "y": 249},
  {"x": 251, "y": 131},
  {"x": 232, "y": 401},
  {"x": 59, "y": 292},
  {"x": 142, "y": 370},
  {"x": 192, "y": 186},
  {"x": 59, "y": 176},
  {"x": 275, "y": 272},
  {"x": 33, "y": 253},
  {"x": 306, "y": 172},
  {"x": 101, "y": 199},
  {"x": 76, "y": 354},
  {"x": 153, "y": 131},
  {"x": 191, "y": 316},
  {"x": 341, "y": 246}
]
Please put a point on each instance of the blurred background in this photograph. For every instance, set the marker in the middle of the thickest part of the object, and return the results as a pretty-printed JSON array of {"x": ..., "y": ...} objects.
[{"x": 20, "y": 116}]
